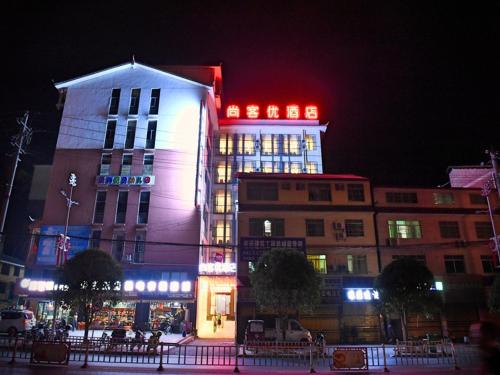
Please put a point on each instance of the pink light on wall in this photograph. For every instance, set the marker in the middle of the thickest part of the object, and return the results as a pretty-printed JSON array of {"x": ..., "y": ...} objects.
[
  {"x": 311, "y": 112},
  {"x": 292, "y": 111},
  {"x": 252, "y": 111},
  {"x": 273, "y": 111}
]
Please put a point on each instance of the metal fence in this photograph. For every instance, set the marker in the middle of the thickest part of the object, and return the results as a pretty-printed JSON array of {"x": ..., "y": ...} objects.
[{"x": 283, "y": 355}]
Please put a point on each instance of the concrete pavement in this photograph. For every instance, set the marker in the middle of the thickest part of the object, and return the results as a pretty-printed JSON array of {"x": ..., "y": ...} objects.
[{"x": 171, "y": 338}]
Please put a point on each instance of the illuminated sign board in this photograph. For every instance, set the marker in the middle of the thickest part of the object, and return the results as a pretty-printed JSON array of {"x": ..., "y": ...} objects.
[
  {"x": 361, "y": 294},
  {"x": 273, "y": 112},
  {"x": 253, "y": 247},
  {"x": 217, "y": 268},
  {"x": 126, "y": 180}
]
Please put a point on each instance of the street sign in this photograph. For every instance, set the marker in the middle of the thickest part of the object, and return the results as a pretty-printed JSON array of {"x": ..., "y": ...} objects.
[{"x": 350, "y": 359}]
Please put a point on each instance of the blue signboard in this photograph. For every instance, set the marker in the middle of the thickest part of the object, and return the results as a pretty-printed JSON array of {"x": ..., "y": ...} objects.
[
  {"x": 47, "y": 244},
  {"x": 251, "y": 248}
]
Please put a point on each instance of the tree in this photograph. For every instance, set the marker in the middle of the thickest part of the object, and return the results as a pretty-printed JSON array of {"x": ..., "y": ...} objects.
[
  {"x": 494, "y": 300},
  {"x": 284, "y": 281},
  {"x": 404, "y": 287},
  {"x": 89, "y": 278}
]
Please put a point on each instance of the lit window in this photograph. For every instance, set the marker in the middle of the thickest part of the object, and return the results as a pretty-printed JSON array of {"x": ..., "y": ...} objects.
[
  {"x": 443, "y": 198},
  {"x": 270, "y": 143},
  {"x": 266, "y": 227},
  {"x": 222, "y": 205},
  {"x": 291, "y": 144},
  {"x": 312, "y": 167},
  {"x": 246, "y": 166},
  {"x": 223, "y": 174},
  {"x": 222, "y": 233},
  {"x": 270, "y": 167},
  {"x": 310, "y": 142},
  {"x": 318, "y": 262},
  {"x": 295, "y": 167},
  {"x": 225, "y": 144},
  {"x": 246, "y": 144},
  {"x": 404, "y": 229},
  {"x": 357, "y": 264}
]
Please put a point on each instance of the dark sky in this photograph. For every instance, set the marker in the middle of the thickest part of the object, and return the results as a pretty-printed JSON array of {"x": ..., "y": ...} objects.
[{"x": 409, "y": 88}]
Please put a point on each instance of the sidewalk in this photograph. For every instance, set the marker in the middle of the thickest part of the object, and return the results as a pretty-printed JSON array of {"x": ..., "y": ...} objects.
[{"x": 171, "y": 338}]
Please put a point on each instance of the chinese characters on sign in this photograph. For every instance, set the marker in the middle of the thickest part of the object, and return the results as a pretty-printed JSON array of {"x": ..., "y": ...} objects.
[
  {"x": 125, "y": 180},
  {"x": 253, "y": 247},
  {"x": 272, "y": 112}
]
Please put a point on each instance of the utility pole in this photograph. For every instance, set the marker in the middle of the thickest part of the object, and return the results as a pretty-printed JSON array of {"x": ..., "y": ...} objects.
[{"x": 22, "y": 139}]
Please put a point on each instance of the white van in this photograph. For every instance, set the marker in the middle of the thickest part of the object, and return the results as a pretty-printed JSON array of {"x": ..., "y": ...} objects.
[{"x": 14, "y": 321}]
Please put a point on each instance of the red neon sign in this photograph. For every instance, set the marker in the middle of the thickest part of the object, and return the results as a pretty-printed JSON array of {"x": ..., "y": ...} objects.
[{"x": 273, "y": 112}]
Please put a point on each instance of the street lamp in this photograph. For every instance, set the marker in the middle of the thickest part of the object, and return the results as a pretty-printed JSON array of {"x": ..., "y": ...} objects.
[{"x": 69, "y": 203}]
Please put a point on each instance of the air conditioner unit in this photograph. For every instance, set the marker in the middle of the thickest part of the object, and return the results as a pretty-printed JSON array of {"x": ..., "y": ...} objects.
[{"x": 392, "y": 242}]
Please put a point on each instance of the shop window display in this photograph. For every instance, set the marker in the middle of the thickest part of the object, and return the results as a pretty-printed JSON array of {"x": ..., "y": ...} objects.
[{"x": 120, "y": 315}]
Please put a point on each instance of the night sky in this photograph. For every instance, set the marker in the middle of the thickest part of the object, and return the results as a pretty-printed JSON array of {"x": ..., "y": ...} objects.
[{"x": 409, "y": 88}]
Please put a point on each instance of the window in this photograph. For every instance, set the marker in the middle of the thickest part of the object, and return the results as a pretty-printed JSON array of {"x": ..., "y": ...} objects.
[
  {"x": 418, "y": 258},
  {"x": 477, "y": 199},
  {"x": 3, "y": 289},
  {"x": 404, "y": 229},
  {"x": 142, "y": 217},
  {"x": 246, "y": 166},
  {"x": 223, "y": 174},
  {"x": 312, "y": 167},
  {"x": 105, "y": 166},
  {"x": 221, "y": 203},
  {"x": 310, "y": 142},
  {"x": 487, "y": 263},
  {"x": 110, "y": 134},
  {"x": 17, "y": 271},
  {"x": 293, "y": 167},
  {"x": 225, "y": 144},
  {"x": 121, "y": 207},
  {"x": 357, "y": 264},
  {"x": 270, "y": 144},
  {"x": 126, "y": 165},
  {"x": 155, "y": 102},
  {"x": 95, "y": 239},
  {"x": 5, "y": 269},
  {"x": 454, "y": 263},
  {"x": 449, "y": 229},
  {"x": 100, "y": 202},
  {"x": 318, "y": 262},
  {"x": 315, "y": 227},
  {"x": 483, "y": 230},
  {"x": 246, "y": 144},
  {"x": 151, "y": 135},
  {"x": 319, "y": 192},
  {"x": 114, "y": 102},
  {"x": 443, "y": 198},
  {"x": 262, "y": 191},
  {"x": 339, "y": 187},
  {"x": 354, "y": 228},
  {"x": 266, "y": 227},
  {"x": 118, "y": 246},
  {"x": 130, "y": 138},
  {"x": 291, "y": 144},
  {"x": 401, "y": 197},
  {"x": 135, "y": 95},
  {"x": 148, "y": 164},
  {"x": 356, "y": 192},
  {"x": 222, "y": 233},
  {"x": 270, "y": 167},
  {"x": 139, "y": 247}
]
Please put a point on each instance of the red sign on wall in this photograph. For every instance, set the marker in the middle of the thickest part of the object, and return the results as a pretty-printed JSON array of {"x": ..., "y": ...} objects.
[{"x": 273, "y": 112}]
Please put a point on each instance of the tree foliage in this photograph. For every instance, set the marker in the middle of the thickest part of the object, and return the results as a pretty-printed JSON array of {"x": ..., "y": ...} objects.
[
  {"x": 494, "y": 300},
  {"x": 284, "y": 281},
  {"x": 90, "y": 278},
  {"x": 404, "y": 287}
]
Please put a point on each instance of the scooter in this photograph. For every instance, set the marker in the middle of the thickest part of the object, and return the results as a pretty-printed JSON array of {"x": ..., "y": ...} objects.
[{"x": 138, "y": 340}]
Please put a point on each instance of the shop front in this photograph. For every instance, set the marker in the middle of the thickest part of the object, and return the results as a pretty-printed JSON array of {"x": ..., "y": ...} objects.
[{"x": 216, "y": 315}]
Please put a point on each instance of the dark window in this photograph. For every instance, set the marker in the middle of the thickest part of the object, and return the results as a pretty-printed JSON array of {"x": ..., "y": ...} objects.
[
  {"x": 95, "y": 240},
  {"x": 105, "y": 167},
  {"x": 121, "y": 207},
  {"x": 155, "y": 102},
  {"x": 148, "y": 164},
  {"x": 142, "y": 218},
  {"x": 483, "y": 229},
  {"x": 443, "y": 198},
  {"x": 487, "y": 262},
  {"x": 315, "y": 227},
  {"x": 110, "y": 134},
  {"x": 419, "y": 258},
  {"x": 114, "y": 102},
  {"x": 262, "y": 191},
  {"x": 400, "y": 197},
  {"x": 126, "y": 165},
  {"x": 130, "y": 139},
  {"x": 3, "y": 289},
  {"x": 5, "y": 269},
  {"x": 449, "y": 229},
  {"x": 357, "y": 264},
  {"x": 100, "y": 202},
  {"x": 339, "y": 187},
  {"x": 267, "y": 227},
  {"x": 356, "y": 192},
  {"x": 10, "y": 314},
  {"x": 477, "y": 199},
  {"x": 454, "y": 263},
  {"x": 354, "y": 228},
  {"x": 319, "y": 192},
  {"x": 140, "y": 247},
  {"x": 151, "y": 134},
  {"x": 17, "y": 271},
  {"x": 134, "y": 101},
  {"x": 118, "y": 246}
]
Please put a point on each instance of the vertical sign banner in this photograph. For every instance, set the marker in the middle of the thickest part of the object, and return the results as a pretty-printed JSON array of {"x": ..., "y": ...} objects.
[{"x": 47, "y": 248}]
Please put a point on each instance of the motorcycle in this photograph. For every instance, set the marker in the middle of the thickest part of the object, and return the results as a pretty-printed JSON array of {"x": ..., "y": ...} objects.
[{"x": 138, "y": 340}]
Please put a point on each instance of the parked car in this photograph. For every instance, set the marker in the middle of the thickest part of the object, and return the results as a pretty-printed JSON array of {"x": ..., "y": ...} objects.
[
  {"x": 13, "y": 322},
  {"x": 270, "y": 330}
]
